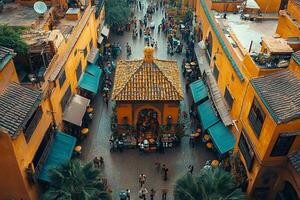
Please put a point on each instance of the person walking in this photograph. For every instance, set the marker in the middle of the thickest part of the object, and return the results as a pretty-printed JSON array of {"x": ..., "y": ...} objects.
[
  {"x": 191, "y": 169},
  {"x": 128, "y": 194},
  {"x": 142, "y": 179},
  {"x": 164, "y": 194},
  {"x": 152, "y": 194},
  {"x": 142, "y": 193},
  {"x": 157, "y": 167},
  {"x": 166, "y": 174},
  {"x": 101, "y": 160},
  {"x": 96, "y": 162}
]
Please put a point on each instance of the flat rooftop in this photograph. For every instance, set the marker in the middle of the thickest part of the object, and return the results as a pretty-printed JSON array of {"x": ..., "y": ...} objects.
[
  {"x": 246, "y": 30},
  {"x": 14, "y": 14}
]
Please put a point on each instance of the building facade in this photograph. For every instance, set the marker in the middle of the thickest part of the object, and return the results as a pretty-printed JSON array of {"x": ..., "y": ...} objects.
[
  {"x": 259, "y": 94},
  {"x": 30, "y": 120}
]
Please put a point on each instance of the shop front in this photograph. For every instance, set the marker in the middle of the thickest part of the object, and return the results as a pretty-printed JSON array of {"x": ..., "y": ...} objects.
[{"x": 143, "y": 111}]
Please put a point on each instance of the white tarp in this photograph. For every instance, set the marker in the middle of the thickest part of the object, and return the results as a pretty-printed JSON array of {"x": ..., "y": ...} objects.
[
  {"x": 75, "y": 110},
  {"x": 105, "y": 31}
]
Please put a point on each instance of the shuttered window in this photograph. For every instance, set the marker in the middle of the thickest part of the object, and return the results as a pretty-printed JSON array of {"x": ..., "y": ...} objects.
[
  {"x": 256, "y": 117},
  {"x": 283, "y": 145},
  {"x": 228, "y": 98},
  {"x": 78, "y": 71},
  {"x": 62, "y": 78},
  {"x": 246, "y": 150},
  {"x": 65, "y": 98},
  {"x": 32, "y": 123},
  {"x": 216, "y": 72}
]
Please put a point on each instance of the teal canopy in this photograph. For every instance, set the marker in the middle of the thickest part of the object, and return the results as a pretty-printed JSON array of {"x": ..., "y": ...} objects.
[
  {"x": 207, "y": 115},
  {"x": 199, "y": 91},
  {"x": 90, "y": 79},
  {"x": 93, "y": 70},
  {"x": 60, "y": 152},
  {"x": 222, "y": 137}
]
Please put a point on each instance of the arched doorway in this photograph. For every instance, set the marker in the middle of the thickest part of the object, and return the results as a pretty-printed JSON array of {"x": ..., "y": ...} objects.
[
  {"x": 209, "y": 44},
  {"x": 288, "y": 193},
  {"x": 147, "y": 123}
]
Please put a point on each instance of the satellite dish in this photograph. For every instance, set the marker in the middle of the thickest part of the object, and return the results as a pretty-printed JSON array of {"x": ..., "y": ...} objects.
[{"x": 40, "y": 7}]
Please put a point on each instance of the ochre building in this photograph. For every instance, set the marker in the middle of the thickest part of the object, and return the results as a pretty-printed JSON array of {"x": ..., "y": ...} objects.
[
  {"x": 147, "y": 86},
  {"x": 31, "y": 114},
  {"x": 252, "y": 51}
]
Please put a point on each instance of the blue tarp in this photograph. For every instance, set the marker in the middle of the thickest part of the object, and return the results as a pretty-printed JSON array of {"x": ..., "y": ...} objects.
[
  {"x": 90, "y": 79},
  {"x": 222, "y": 137},
  {"x": 199, "y": 91},
  {"x": 60, "y": 152},
  {"x": 207, "y": 115}
]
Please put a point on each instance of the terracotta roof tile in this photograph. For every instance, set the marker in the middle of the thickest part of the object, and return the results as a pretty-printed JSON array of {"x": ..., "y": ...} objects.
[
  {"x": 17, "y": 104},
  {"x": 141, "y": 81}
]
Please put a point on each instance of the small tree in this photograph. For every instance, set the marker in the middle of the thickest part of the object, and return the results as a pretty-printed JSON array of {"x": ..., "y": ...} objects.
[
  {"x": 210, "y": 184},
  {"x": 117, "y": 13},
  {"x": 74, "y": 181},
  {"x": 10, "y": 37}
]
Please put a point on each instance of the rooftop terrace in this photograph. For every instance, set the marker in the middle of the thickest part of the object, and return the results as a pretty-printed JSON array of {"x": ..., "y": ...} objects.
[
  {"x": 245, "y": 31},
  {"x": 14, "y": 14}
]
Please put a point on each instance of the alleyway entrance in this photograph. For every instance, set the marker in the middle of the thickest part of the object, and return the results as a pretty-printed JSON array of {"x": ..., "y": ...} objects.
[{"x": 122, "y": 169}]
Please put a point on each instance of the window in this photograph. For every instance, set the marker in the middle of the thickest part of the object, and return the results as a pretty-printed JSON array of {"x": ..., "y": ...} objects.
[
  {"x": 75, "y": 52},
  {"x": 85, "y": 51},
  {"x": 78, "y": 71},
  {"x": 246, "y": 150},
  {"x": 256, "y": 117},
  {"x": 91, "y": 44},
  {"x": 32, "y": 123},
  {"x": 41, "y": 150},
  {"x": 228, "y": 98},
  {"x": 62, "y": 78},
  {"x": 216, "y": 72},
  {"x": 65, "y": 98},
  {"x": 283, "y": 145}
]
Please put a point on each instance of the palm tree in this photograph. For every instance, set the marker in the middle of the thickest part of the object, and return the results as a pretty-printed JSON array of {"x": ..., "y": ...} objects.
[
  {"x": 75, "y": 181},
  {"x": 210, "y": 184}
]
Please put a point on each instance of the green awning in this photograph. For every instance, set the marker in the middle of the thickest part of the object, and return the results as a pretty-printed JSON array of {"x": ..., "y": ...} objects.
[
  {"x": 93, "y": 70},
  {"x": 60, "y": 152},
  {"x": 207, "y": 115},
  {"x": 199, "y": 91},
  {"x": 222, "y": 137},
  {"x": 90, "y": 79}
]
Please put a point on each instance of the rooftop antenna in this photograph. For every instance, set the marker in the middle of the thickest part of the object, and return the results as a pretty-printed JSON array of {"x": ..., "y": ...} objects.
[{"x": 40, "y": 8}]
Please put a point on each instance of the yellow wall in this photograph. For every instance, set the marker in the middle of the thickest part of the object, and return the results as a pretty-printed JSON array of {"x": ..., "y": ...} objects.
[
  {"x": 12, "y": 184},
  {"x": 293, "y": 10},
  {"x": 124, "y": 110},
  {"x": 8, "y": 74},
  {"x": 18, "y": 153},
  {"x": 286, "y": 27},
  {"x": 269, "y": 6},
  {"x": 131, "y": 111},
  {"x": 171, "y": 109},
  {"x": 89, "y": 33},
  {"x": 263, "y": 145},
  {"x": 294, "y": 67}
]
